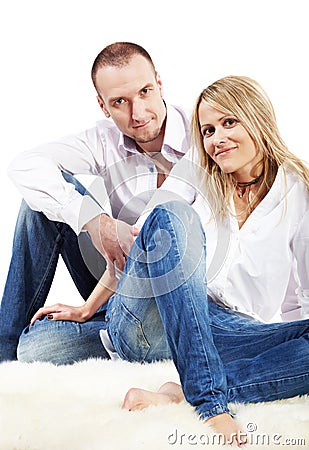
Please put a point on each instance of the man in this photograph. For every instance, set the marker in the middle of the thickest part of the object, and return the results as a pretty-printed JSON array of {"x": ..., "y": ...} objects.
[{"x": 132, "y": 154}]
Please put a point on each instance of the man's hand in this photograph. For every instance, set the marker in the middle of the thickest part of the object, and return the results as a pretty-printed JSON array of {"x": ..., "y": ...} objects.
[{"x": 113, "y": 239}]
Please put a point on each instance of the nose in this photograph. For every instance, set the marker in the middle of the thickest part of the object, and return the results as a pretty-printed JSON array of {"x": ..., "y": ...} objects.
[
  {"x": 138, "y": 110},
  {"x": 219, "y": 136}
]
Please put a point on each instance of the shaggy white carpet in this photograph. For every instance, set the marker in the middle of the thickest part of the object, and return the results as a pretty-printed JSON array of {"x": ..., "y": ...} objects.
[{"x": 44, "y": 407}]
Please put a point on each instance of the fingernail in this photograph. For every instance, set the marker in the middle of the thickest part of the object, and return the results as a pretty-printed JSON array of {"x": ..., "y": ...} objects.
[{"x": 50, "y": 316}]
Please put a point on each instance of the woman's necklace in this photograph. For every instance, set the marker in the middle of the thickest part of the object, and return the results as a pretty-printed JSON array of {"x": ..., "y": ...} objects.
[{"x": 241, "y": 186}]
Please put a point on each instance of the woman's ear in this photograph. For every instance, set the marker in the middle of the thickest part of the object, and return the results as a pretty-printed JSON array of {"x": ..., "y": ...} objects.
[{"x": 102, "y": 106}]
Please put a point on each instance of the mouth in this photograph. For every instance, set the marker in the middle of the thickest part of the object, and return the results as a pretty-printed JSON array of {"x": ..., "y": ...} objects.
[
  {"x": 224, "y": 151},
  {"x": 141, "y": 125}
]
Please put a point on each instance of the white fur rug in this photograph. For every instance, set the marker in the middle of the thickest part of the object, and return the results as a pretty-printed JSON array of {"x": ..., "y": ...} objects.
[{"x": 44, "y": 407}]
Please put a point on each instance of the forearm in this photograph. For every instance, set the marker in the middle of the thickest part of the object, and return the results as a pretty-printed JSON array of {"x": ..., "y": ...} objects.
[
  {"x": 38, "y": 175},
  {"x": 101, "y": 294}
]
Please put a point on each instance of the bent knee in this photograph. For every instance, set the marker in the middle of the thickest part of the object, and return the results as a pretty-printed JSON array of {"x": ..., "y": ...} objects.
[
  {"x": 180, "y": 211},
  {"x": 39, "y": 344},
  {"x": 60, "y": 342}
]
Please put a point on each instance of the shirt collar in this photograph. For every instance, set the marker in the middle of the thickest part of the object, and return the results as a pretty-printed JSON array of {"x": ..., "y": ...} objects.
[{"x": 177, "y": 130}]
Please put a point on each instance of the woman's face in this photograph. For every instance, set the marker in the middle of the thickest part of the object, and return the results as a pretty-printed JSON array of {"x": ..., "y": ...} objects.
[{"x": 228, "y": 143}]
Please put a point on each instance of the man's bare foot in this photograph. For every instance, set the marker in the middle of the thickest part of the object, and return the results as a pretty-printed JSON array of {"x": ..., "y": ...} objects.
[
  {"x": 140, "y": 398},
  {"x": 225, "y": 425}
]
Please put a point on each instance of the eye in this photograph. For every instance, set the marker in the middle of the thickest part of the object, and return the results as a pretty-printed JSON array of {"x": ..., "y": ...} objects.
[
  {"x": 145, "y": 91},
  {"x": 208, "y": 131},
  {"x": 119, "y": 101},
  {"x": 230, "y": 122}
]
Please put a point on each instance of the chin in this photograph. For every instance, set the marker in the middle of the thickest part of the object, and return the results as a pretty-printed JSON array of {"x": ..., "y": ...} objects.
[
  {"x": 148, "y": 138},
  {"x": 227, "y": 170}
]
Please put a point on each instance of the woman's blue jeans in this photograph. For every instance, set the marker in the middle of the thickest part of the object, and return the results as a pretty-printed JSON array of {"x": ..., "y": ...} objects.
[{"x": 161, "y": 310}]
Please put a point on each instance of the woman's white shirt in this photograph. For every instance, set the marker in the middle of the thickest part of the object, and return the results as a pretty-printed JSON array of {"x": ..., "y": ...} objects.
[{"x": 262, "y": 269}]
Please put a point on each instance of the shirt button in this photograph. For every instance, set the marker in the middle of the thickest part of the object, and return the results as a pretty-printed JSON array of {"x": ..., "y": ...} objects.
[{"x": 151, "y": 169}]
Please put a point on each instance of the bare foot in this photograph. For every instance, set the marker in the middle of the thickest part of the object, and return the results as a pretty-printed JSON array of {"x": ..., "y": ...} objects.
[
  {"x": 225, "y": 425},
  {"x": 140, "y": 398},
  {"x": 170, "y": 392}
]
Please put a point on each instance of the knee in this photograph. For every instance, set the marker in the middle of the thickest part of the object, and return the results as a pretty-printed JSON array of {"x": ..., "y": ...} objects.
[
  {"x": 180, "y": 214},
  {"x": 178, "y": 207},
  {"x": 44, "y": 342},
  {"x": 77, "y": 185},
  {"x": 28, "y": 218},
  {"x": 37, "y": 344},
  {"x": 25, "y": 212},
  {"x": 60, "y": 342}
]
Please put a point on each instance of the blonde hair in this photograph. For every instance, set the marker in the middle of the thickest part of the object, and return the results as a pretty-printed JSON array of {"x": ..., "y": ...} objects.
[{"x": 245, "y": 99}]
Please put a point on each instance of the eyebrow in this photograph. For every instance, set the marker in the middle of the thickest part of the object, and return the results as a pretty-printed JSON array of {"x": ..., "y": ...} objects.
[{"x": 210, "y": 125}]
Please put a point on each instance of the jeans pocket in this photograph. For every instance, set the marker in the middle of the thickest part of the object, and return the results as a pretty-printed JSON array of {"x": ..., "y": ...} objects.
[{"x": 126, "y": 333}]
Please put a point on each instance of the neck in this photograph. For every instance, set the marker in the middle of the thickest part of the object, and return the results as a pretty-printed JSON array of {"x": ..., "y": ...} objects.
[
  {"x": 248, "y": 183},
  {"x": 153, "y": 146},
  {"x": 242, "y": 186}
]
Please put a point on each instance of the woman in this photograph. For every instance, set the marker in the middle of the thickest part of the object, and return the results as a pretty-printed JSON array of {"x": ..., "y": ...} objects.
[
  {"x": 216, "y": 333},
  {"x": 260, "y": 189}
]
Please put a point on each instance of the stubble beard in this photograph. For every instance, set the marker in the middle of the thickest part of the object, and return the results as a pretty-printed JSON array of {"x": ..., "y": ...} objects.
[{"x": 148, "y": 137}]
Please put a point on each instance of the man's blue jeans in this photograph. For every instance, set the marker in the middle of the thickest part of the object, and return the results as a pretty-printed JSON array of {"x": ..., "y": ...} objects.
[
  {"x": 37, "y": 244},
  {"x": 161, "y": 310}
]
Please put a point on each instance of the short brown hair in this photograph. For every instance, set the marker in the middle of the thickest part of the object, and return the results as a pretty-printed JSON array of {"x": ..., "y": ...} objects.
[{"x": 118, "y": 54}]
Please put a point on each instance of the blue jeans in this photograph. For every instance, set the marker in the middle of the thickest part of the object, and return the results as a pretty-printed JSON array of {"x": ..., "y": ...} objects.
[
  {"x": 161, "y": 310},
  {"x": 37, "y": 244}
]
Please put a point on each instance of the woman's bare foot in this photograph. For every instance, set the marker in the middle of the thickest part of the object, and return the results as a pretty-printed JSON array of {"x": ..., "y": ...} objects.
[
  {"x": 140, "y": 398},
  {"x": 225, "y": 425},
  {"x": 170, "y": 392}
]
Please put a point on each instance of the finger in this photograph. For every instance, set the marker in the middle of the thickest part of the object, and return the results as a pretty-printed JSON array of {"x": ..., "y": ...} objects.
[
  {"x": 63, "y": 315},
  {"x": 135, "y": 231},
  {"x": 126, "y": 247},
  {"x": 46, "y": 310},
  {"x": 110, "y": 267},
  {"x": 120, "y": 263},
  {"x": 36, "y": 316},
  {"x": 40, "y": 313}
]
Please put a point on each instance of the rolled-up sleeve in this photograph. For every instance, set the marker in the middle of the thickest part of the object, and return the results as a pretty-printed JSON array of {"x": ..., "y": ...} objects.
[{"x": 38, "y": 176}]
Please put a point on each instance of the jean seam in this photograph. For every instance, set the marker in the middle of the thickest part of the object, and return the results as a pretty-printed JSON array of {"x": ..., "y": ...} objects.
[
  {"x": 275, "y": 380},
  {"x": 189, "y": 297},
  {"x": 138, "y": 323},
  {"x": 243, "y": 331},
  {"x": 219, "y": 409}
]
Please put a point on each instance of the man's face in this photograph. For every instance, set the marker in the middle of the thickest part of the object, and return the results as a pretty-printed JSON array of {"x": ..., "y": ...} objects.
[{"x": 132, "y": 96}]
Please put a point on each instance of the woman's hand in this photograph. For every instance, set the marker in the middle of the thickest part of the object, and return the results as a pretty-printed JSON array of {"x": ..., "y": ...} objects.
[
  {"x": 62, "y": 312},
  {"x": 102, "y": 292}
]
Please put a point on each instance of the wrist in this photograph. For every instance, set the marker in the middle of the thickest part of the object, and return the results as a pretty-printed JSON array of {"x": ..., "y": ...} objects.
[
  {"x": 95, "y": 223},
  {"x": 86, "y": 312}
]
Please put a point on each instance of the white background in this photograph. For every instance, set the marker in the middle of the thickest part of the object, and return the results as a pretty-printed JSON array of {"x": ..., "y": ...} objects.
[{"x": 47, "y": 49}]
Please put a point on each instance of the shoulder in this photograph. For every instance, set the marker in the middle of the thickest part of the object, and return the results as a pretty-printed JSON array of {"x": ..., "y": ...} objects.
[
  {"x": 294, "y": 191},
  {"x": 107, "y": 126},
  {"x": 179, "y": 113},
  {"x": 293, "y": 181}
]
